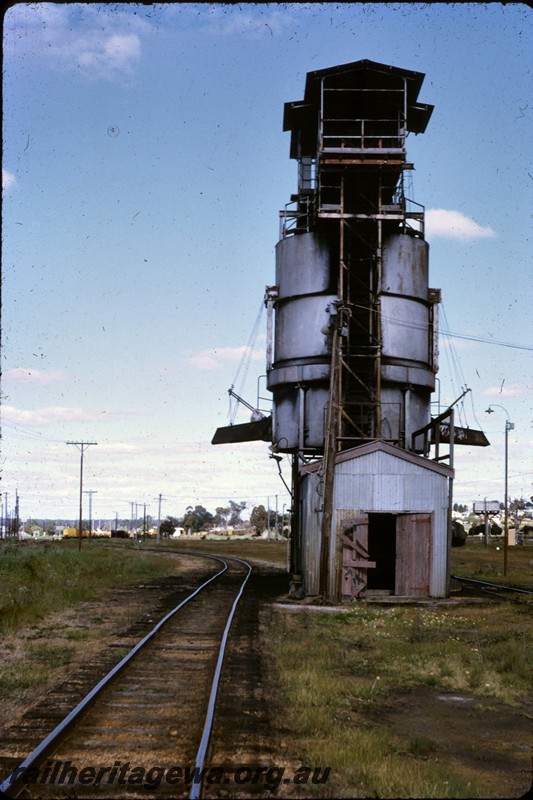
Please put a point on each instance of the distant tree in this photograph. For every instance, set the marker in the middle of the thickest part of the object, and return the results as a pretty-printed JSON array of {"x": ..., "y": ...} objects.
[
  {"x": 494, "y": 529},
  {"x": 221, "y": 515},
  {"x": 197, "y": 519},
  {"x": 168, "y": 526},
  {"x": 259, "y": 518},
  {"x": 119, "y": 534},
  {"x": 458, "y": 534},
  {"x": 236, "y": 510},
  {"x": 518, "y": 504}
]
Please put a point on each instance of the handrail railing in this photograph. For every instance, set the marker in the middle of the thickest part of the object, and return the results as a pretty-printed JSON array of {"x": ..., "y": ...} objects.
[{"x": 298, "y": 216}]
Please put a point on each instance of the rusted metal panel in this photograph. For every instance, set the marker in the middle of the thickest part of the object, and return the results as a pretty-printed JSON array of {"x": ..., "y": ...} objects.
[
  {"x": 413, "y": 548},
  {"x": 303, "y": 265},
  {"x": 468, "y": 436},
  {"x": 354, "y": 541},
  {"x": 405, "y": 268},
  {"x": 311, "y": 529}
]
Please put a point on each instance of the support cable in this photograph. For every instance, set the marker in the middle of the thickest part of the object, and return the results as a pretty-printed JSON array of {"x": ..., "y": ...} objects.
[{"x": 242, "y": 369}]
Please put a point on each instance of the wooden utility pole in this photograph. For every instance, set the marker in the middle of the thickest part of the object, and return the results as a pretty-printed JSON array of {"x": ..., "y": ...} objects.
[
  {"x": 82, "y": 446},
  {"x": 330, "y": 449},
  {"x": 159, "y": 498}
]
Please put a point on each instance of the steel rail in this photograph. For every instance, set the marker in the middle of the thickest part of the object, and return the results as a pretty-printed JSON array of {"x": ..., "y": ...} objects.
[
  {"x": 492, "y": 585},
  {"x": 208, "y": 725},
  {"x": 12, "y": 786}
]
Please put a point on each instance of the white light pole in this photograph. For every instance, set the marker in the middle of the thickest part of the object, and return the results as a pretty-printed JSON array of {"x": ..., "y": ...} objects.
[{"x": 509, "y": 426}]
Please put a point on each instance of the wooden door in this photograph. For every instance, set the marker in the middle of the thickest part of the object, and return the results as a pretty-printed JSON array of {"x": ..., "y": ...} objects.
[
  {"x": 355, "y": 562},
  {"x": 413, "y": 551}
]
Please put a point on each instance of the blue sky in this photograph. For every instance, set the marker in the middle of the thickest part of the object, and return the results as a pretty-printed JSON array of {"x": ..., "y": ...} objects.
[{"x": 144, "y": 168}]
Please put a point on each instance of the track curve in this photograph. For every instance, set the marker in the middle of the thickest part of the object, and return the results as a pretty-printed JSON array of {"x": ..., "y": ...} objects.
[{"x": 152, "y": 713}]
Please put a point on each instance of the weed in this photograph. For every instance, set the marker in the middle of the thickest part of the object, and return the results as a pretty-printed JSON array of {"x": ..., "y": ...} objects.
[
  {"x": 37, "y": 581},
  {"x": 79, "y": 633},
  {"x": 14, "y": 684},
  {"x": 120, "y": 653},
  {"x": 51, "y": 655},
  {"x": 336, "y": 672},
  {"x": 422, "y": 747}
]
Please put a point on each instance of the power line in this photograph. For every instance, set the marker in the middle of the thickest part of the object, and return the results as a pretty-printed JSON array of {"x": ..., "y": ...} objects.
[
  {"x": 471, "y": 337},
  {"x": 26, "y": 433}
]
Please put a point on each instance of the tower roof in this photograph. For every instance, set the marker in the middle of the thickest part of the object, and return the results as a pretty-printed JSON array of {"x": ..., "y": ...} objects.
[{"x": 301, "y": 115}]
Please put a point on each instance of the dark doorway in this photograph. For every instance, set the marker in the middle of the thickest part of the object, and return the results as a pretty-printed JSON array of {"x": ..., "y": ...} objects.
[{"x": 382, "y": 550}]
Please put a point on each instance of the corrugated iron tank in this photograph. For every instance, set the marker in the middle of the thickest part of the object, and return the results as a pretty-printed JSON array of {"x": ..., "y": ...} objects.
[{"x": 352, "y": 258}]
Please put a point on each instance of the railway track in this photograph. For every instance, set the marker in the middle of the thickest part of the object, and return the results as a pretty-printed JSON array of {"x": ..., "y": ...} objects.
[
  {"x": 145, "y": 727},
  {"x": 494, "y": 589}
]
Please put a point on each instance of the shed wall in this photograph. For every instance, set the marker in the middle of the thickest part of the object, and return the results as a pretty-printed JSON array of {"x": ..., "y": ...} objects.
[{"x": 375, "y": 483}]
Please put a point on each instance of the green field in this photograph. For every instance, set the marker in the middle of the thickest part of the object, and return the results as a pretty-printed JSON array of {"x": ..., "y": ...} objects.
[
  {"x": 39, "y": 578},
  {"x": 339, "y": 681}
]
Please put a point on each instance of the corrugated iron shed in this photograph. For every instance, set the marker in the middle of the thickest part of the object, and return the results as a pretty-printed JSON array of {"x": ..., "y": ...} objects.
[{"x": 382, "y": 482}]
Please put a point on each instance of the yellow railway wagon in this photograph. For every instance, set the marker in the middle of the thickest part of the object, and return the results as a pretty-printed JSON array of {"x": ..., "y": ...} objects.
[{"x": 70, "y": 533}]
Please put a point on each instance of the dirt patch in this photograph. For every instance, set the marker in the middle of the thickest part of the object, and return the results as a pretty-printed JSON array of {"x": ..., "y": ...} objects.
[{"x": 488, "y": 743}]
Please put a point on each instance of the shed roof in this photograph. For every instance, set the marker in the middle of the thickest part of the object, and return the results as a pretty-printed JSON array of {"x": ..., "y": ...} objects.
[{"x": 397, "y": 452}]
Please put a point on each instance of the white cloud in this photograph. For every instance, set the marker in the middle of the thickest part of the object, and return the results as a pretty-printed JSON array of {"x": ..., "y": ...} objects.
[
  {"x": 509, "y": 390},
  {"x": 227, "y": 20},
  {"x": 8, "y": 180},
  {"x": 114, "y": 53},
  {"x": 100, "y": 44},
  {"x": 39, "y": 377},
  {"x": 215, "y": 359},
  {"x": 454, "y": 225},
  {"x": 58, "y": 414}
]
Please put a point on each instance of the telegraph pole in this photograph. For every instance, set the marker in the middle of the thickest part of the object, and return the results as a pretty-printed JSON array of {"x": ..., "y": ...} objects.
[
  {"x": 509, "y": 426},
  {"x": 82, "y": 446},
  {"x": 160, "y": 498},
  {"x": 136, "y": 504},
  {"x": 144, "y": 521},
  {"x": 90, "y": 492},
  {"x": 6, "y": 518},
  {"x": 16, "y": 521}
]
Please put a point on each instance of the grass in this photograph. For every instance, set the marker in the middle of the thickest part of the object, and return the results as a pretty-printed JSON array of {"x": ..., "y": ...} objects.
[
  {"x": 331, "y": 675},
  {"x": 485, "y": 562},
  {"x": 335, "y": 674},
  {"x": 37, "y": 579},
  {"x": 273, "y": 552}
]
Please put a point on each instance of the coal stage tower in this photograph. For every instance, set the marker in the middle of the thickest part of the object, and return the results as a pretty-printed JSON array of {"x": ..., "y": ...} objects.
[
  {"x": 352, "y": 346},
  {"x": 352, "y": 267}
]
